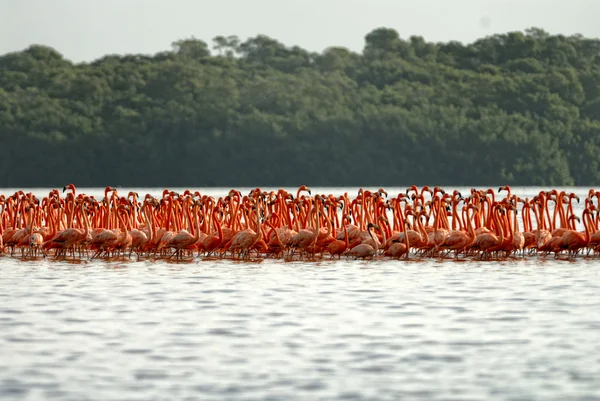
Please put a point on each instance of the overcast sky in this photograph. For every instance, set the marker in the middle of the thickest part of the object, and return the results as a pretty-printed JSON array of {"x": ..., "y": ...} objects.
[{"x": 83, "y": 30}]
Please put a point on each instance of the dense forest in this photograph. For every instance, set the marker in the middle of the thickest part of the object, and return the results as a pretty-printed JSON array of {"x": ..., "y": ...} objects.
[{"x": 520, "y": 108}]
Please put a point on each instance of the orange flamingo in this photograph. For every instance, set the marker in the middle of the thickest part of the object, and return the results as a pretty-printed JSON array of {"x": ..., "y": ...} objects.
[
  {"x": 338, "y": 247},
  {"x": 573, "y": 241},
  {"x": 183, "y": 239},
  {"x": 398, "y": 249},
  {"x": 363, "y": 250},
  {"x": 243, "y": 240},
  {"x": 69, "y": 237}
]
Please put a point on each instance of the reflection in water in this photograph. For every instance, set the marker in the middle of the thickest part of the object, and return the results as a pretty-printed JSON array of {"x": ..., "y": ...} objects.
[{"x": 330, "y": 330}]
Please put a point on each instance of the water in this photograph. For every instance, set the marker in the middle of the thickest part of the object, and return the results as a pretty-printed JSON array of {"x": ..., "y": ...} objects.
[{"x": 275, "y": 330}]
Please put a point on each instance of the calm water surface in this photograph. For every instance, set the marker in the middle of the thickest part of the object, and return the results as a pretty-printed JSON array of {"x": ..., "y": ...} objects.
[{"x": 381, "y": 330}]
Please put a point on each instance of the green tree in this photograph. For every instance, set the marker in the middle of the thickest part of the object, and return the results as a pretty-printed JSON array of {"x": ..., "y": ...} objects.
[{"x": 520, "y": 108}]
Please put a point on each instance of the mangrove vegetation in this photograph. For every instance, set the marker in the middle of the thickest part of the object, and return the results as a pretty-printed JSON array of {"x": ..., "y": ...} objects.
[{"x": 521, "y": 108}]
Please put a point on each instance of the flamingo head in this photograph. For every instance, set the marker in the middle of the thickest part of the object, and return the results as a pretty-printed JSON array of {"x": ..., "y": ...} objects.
[
  {"x": 304, "y": 188},
  {"x": 371, "y": 225}
]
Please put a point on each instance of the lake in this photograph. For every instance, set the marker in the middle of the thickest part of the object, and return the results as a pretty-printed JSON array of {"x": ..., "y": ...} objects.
[{"x": 427, "y": 329}]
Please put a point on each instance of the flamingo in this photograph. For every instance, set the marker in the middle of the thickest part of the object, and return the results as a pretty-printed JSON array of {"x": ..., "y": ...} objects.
[
  {"x": 306, "y": 237},
  {"x": 183, "y": 239},
  {"x": 398, "y": 249},
  {"x": 458, "y": 241},
  {"x": 338, "y": 247},
  {"x": 363, "y": 250},
  {"x": 212, "y": 241},
  {"x": 243, "y": 240},
  {"x": 69, "y": 237},
  {"x": 572, "y": 240},
  {"x": 486, "y": 242}
]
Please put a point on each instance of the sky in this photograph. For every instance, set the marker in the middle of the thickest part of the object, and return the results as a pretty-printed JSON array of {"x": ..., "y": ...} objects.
[{"x": 84, "y": 30}]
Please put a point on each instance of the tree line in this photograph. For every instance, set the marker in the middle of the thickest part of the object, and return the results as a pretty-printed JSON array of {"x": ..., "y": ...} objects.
[{"x": 521, "y": 108}]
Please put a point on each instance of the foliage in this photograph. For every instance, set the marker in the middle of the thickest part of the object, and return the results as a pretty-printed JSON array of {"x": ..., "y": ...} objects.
[{"x": 521, "y": 108}]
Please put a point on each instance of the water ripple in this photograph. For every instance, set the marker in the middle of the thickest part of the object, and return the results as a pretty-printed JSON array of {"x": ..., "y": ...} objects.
[{"x": 337, "y": 330}]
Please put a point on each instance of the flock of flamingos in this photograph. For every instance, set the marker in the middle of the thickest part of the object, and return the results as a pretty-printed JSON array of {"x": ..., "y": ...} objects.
[{"x": 422, "y": 222}]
